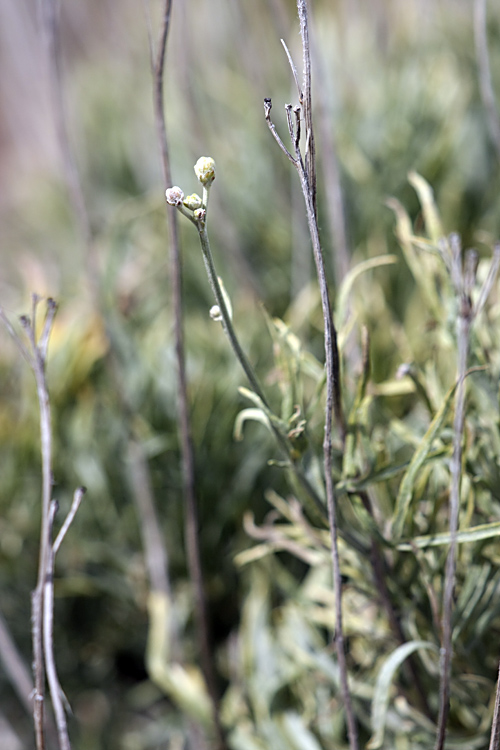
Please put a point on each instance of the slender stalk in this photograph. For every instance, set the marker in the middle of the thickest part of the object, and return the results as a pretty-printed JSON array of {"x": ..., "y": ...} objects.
[
  {"x": 140, "y": 480},
  {"x": 48, "y": 642},
  {"x": 332, "y": 402},
  {"x": 38, "y": 364},
  {"x": 307, "y": 174},
  {"x": 495, "y": 727},
  {"x": 56, "y": 692},
  {"x": 465, "y": 317},
  {"x": 191, "y": 515},
  {"x": 227, "y": 324},
  {"x": 226, "y": 320}
]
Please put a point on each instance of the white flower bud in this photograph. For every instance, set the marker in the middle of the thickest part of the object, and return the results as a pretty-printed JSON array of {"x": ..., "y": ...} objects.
[
  {"x": 215, "y": 313},
  {"x": 174, "y": 196},
  {"x": 205, "y": 170}
]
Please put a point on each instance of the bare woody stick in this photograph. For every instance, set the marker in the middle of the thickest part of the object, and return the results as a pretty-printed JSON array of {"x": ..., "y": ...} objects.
[
  {"x": 191, "y": 514},
  {"x": 42, "y": 597},
  {"x": 306, "y": 171},
  {"x": 463, "y": 278}
]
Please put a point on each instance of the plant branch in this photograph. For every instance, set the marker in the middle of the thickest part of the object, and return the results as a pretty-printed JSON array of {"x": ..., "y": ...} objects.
[
  {"x": 57, "y": 695},
  {"x": 464, "y": 322},
  {"x": 48, "y": 640},
  {"x": 191, "y": 525},
  {"x": 495, "y": 726},
  {"x": 37, "y": 357},
  {"x": 306, "y": 102},
  {"x": 307, "y": 174},
  {"x": 228, "y": 327}
]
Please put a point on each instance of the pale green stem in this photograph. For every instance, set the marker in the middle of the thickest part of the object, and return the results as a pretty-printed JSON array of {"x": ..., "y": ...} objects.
[{"x": 226, "y": 318}]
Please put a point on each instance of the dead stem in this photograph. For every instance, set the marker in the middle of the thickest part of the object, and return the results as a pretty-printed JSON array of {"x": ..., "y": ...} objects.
[
  {"x": 307, "y": 174},
  {"x": 191, "y": 514}
]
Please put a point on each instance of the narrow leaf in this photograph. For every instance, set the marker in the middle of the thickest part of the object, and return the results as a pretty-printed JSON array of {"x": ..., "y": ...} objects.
[
  {"x": 426, "y": 198},
  {"x": 419, "y": 457},
  {"x": 381, "y": 697},
  {"x": 254, "y": 415},
  {"x": 472, "y": 534}
]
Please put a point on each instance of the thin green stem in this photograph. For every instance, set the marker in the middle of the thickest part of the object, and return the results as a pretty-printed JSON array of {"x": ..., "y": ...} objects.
[
  {"x": 226, "y": 318},
  {"x": 283, "y": 442}
]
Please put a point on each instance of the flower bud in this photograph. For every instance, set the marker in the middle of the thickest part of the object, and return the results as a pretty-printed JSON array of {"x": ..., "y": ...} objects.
[
  {"x": 205, "y": 170},
  {"x": 200, "y": 215},
  {"x": 193, "y": 201},
  {"x": 174, "y": 196},
  {"x": 215, "y": 313}
]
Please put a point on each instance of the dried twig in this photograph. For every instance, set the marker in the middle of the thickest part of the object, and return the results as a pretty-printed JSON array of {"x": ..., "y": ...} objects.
[
  {"x": 191, "y": 514},
  {"x": 307, "y": 174},
  {"x": 58, "y": 699},
  {"x": 43, "y": 595},
  {"x": 463, "y": 279},
  {"x": 38, "y": 365},
  {"x": 495, "y": 727}
]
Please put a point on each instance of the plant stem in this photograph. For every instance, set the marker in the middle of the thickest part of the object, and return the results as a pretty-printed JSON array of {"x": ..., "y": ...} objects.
[
  {"x": 227, "y": 324},
  {"x": 191, "y": 522},
  {"x": 38, "y": 365},
  {"x": 332, "y": 402},
  {"x": 226, "y": 318},
  {"x": 307, "y": 175},
  {"x": 464, "y": 321}
]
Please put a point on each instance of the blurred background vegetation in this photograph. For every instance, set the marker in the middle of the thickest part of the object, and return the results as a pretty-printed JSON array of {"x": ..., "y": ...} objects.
[{"x": 395, "y": 89}]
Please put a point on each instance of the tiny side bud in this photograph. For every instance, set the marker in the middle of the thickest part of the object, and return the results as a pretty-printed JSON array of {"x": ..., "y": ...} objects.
[
  {"x": 193, "y": 201},
  {"x": 200, "y": 215},
  {"x": 215, "y": 313}
]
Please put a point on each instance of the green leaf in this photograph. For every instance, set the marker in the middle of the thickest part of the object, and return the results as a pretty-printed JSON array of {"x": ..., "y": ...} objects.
[
  {"x": 419, "y": 457},
  {"x": 381, "y": 696},
  {"x": 431, "y": 214},
  {"x": 348, "y": 283},
  {"x": 419, "y": 264},
  {"x": 254, "y": 415},
  {"x": 472, "y": 534}
]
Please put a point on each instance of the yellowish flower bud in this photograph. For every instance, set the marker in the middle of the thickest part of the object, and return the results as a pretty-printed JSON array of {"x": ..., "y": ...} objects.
[
  {"x": 174, "y": 196},
  {"x": 205, "y": 170},
  {"x": 200, "y": 215},
  {"x": 193, "y": 201}
]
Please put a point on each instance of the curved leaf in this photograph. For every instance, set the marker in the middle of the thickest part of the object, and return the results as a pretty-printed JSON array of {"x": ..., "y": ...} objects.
[{"x": 381, "y": 696}]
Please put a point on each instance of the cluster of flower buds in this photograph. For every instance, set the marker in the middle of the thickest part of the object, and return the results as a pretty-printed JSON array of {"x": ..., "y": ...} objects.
[{"x": 205, "y": 172}]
